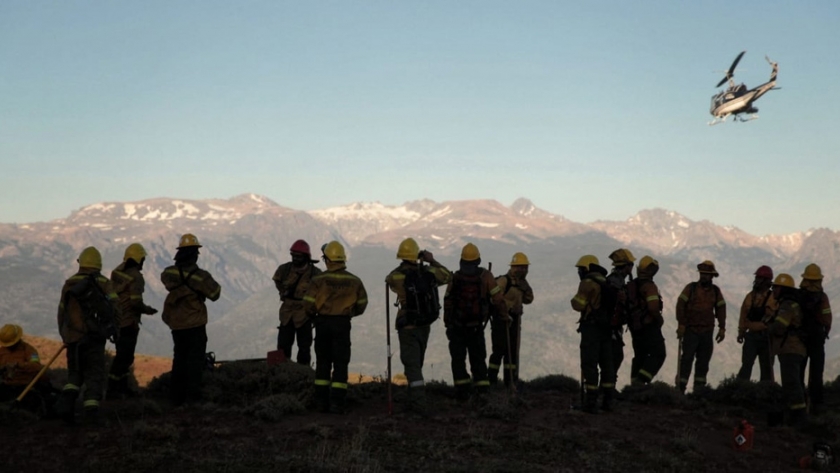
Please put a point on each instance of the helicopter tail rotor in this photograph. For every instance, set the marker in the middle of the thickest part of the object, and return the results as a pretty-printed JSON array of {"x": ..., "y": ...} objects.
[{"x": 731, "y": 71}]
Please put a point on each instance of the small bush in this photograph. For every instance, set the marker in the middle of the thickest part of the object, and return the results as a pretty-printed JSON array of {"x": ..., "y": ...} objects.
[
  {"x": 275, "y": 407},
  {"x": 657, "y": 393},
  {"x": 554, "y": 382},
  {"x": 243, "y": 383},
  {"x": 733, "y": 392}
]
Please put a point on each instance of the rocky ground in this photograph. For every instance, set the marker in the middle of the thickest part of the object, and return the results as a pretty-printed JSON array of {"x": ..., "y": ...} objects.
[{"x": 259, "y": 418}]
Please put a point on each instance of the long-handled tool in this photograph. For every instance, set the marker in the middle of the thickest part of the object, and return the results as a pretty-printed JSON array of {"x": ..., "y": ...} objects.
[
  {"x": 510, "y": 367},
  {"x": 388, "y": 338},
  {"x": 677, "y": 380},
  {"x": 40, "y": 373}
]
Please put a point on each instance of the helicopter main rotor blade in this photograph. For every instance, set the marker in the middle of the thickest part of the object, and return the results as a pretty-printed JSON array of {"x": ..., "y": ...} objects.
[{"x": 731, "y": 70}]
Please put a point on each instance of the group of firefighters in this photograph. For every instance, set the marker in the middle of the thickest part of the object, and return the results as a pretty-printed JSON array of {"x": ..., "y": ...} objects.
[{"x": 776, "y": 319}]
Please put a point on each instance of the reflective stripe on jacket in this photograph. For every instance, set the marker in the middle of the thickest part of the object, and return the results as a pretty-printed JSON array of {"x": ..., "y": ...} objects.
[
  {"x": 336, "y": 292},
  {"x": 129, "y": 285}
]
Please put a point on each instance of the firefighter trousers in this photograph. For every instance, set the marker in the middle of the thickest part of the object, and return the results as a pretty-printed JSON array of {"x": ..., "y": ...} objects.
[
  {"x": 124, "y": 357},
  {"x": 814, "y": 363},
  {"x": 286, "y": 335},
  {"x": 413, "y": 343},
  {"x": 596, "y": 352},
  {"x": 756, "y": 345},
  {"x": 188, "y": 364},
  {"x": 790, "y": 365},
  {"x": 697, "y": 346},
  {"x": 332, "y": 356},
  {"x": 648, "y": 352},
  {"x": 500, "y": 333},
  {"x": 468, "y": 341},
  {"x": 86, "y": 366}
]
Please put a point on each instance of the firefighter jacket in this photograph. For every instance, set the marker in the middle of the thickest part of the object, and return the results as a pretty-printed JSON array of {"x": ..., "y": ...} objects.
[
  {"x": 824, "y": 317},
  {"x": 698, "y": 307},
  {"x": 129, "y": 286},
  {"x": 72, "y": 323},
  {"x": 19, "y": 364},
  {"x": 292, "y": 283},
  {"x": 756, "y": 309},
  {"x": 517, "y": 292},
  {"x": 188, "y": 287},
  {"x": 785, "y": 329},
  {"x": 645, "y": 303},
  {"x": 396, "y": 280},
  {"x": 335, "y": 293},
  {"x": 588, "y": 297},
  {"x": 491, "y": 293}
]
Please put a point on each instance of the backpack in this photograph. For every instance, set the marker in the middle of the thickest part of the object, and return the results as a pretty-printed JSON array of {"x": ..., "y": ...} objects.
[
  {"x": 470, "y": 305},
  {"x": 422, "y": 300},
  {"x": 810, "y": 302},
  {"x": 99, "y": 315},
  {"x": 603, "y": 315}
]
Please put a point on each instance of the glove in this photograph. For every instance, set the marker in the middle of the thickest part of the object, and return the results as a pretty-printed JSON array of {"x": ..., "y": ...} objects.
[
  {"x": 680, "y": 331},
  {"x": 740, "y": 339},
  {"x": 720, "y": 335}
]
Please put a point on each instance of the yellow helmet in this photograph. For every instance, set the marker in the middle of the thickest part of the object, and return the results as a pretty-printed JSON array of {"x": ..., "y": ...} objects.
[
  {"x": 647, "y": 261},
  {"x": 470, "y": 253},
  {"x": 519, "y": 259},
  {"x": 408, "y": 250},
  {"x": 812, "y": 272},
  {"x": 134, "y": 251},
  {"x": 10, "y": 334},
  {"x": 707, "y": 267},
  {"x": 334, "y": 251},
  {"x": 586, "y": 260},
  {"x": 90, "y": 258},
  {"x": 785, "y": 280},
  {"x": 621, "y": 257},
  {"x": 188, "y": 240}
]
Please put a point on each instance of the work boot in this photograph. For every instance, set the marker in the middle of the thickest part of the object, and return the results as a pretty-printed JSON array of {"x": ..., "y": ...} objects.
[
  {"x": 65, "y": 407},
  {"x": 798, "y": 418},
  {"x": 93, "y": 417},
  {"x": 590, "y": 406},
  {"x": 322, "y": 398},
  {"x": 493, "y": 377},
  {"x": 115, "y": 389},
  {"x": 606, "y": 403},
  {"x": 462, "y": 392},
  {"x": 338, "y": 404}
]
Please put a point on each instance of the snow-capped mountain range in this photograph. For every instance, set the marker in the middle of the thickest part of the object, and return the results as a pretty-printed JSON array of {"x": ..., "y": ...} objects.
[{"x": 247, "y": 236}]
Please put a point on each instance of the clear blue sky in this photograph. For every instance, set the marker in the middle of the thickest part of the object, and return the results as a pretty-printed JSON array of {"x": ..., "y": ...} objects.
[{"x": 593, "y": 110}]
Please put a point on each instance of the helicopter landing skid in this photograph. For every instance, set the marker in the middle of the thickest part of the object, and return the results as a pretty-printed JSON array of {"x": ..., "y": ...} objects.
[
  {"x": 718, "y": 120},
  {"x": 722, "y": 119},
  {"x": 747, "y": 119}
]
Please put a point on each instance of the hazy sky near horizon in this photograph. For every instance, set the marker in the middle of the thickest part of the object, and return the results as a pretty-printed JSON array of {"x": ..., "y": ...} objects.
[{"x": 593, "y": 110}]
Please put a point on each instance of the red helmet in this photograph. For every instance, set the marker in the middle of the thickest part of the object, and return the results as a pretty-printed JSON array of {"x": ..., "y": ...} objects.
[
  {"x": 300, "y": 246},
  {"x": 764, "y": 272}
]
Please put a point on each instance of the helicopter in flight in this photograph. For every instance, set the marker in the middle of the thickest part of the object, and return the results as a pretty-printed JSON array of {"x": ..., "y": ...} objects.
[{"x": 737, "y": 99}]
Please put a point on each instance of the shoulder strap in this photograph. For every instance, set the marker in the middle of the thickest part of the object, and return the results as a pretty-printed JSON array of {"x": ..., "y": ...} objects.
[{"x": 185, "y": 280}]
